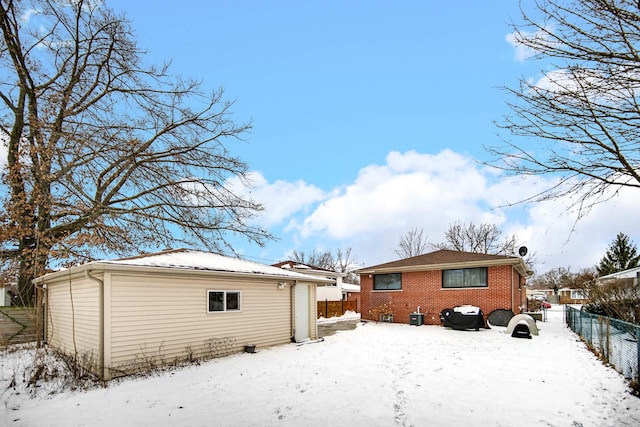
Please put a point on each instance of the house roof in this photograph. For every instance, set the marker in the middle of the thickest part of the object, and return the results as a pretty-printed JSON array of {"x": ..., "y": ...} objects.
[
  {"x": 307, "y": 269},
  {"x": 296, "y": 264},
  {"x": 192, "y": 260},
  {"x": 350, "y": 287},
  {"x": 626, "y": 274},
  {"x": 447, "y": 259}
]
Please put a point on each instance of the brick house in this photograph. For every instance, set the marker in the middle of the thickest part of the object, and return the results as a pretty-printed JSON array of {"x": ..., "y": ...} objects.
[{"x": 442, "y": 279}]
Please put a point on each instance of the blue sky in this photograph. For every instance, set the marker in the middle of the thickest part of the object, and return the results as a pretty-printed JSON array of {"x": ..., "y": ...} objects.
[
  {"x": 341, "y": 82},
  {"x": 369, "y": 118}
]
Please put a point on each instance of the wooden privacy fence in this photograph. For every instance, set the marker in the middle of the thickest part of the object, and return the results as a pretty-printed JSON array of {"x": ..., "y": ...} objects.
[
  {"x": 17, "y": 325},
  {"x": 329, "y": 309}
]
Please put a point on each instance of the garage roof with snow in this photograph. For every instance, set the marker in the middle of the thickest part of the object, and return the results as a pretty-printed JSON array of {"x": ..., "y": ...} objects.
[{"x": 194, "y": 260}]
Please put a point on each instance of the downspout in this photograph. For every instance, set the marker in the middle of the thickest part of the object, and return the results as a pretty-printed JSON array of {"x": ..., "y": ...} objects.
[
  {"x": 511, "y": 287},
  {"x": 44, "y": 305},
  {"x": 312, "y": 305},
  {"x": 100, "y": 321},
  {"x": 292, "y": 311}
]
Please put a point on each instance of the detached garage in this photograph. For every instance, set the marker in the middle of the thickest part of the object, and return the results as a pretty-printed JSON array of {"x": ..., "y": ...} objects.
[{"x": 118, "y": 317}]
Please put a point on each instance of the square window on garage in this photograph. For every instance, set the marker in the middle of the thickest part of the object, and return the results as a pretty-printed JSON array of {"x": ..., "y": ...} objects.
[{"x": 223, "y": 301}]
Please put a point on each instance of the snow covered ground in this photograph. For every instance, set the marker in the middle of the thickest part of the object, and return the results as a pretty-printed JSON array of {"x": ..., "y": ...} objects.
[{"x": 376, "y": 375}]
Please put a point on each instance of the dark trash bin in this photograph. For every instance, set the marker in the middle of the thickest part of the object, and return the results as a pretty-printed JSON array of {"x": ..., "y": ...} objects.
[{"x": 416, "y": 319}]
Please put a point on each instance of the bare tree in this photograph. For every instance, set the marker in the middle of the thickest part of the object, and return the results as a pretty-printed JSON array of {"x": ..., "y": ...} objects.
[
  {"x": 347, "y": 264},
  {"x": 341, "y": 262},
  {"x": 483, "y": 238},
  {"x": 618, "y": 298},
  {"x": 106, "y": 153},
  {"x": 563, "y": 278},
  {"x": 413, "y": 243},
  {"x": 315, "y": 259},
  {"x": 580, "y": 123}
]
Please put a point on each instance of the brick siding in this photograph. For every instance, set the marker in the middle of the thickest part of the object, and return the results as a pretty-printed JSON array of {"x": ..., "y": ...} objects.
[{"x": 424, "y": 289}]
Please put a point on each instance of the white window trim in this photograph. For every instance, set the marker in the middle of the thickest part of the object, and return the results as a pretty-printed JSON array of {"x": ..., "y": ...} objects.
[
  {"x": 373, "y": 284},
  {"x": 224, "y": 300},
  {"x": 579, "y": 294},
  {"x": 486, "y": 286}
]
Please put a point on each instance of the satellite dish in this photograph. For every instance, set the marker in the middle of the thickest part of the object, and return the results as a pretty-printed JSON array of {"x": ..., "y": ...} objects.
[{"x": 523, "y": 250}]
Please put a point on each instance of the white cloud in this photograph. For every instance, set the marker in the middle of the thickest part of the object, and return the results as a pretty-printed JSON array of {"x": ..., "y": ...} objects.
[
  {"x": 574, "y": 86},
  {"x": 415, "y": 190},
  {"x": 26, "y": 16},
  {"x": 521, "y": 52},
  {"x": 411, "y": 188},
  {"x": 557, "y": 81},
  {"x": 560, "y": 241},
  {"x": 281, "y": 199}
]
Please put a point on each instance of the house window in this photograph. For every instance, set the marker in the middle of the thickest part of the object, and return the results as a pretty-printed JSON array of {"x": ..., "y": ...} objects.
[
  {"x": 579, "y": 294},
  {"x": 465, "y": 278},
  {"x": 224, "y": 301},
  {"x": 387, "y": 282}
]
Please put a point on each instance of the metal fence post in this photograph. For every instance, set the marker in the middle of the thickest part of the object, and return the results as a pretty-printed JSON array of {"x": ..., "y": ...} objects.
[
  {"x": 608, "y": 340},
  {"x": 638, "y": 354},
  {"x": 591, "y": 331}
]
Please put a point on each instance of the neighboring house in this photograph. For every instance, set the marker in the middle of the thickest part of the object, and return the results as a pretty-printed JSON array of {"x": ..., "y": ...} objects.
[
  {"x": 329, "y": 291},
  {"x": 5, "y": 296},
  {"x": 627, "y": 279},
  {"x": 337, "y": 290},
  {"x": 560, "y": 296},
  {"x": 570, "y": 296},
  {"x": 121, "y": 316},
  {"x": 351, "y": 292},
  {"x": 539, "y": 294},
  {"x": 443, "y": 279},
  {"x": 632, "y": 273}
]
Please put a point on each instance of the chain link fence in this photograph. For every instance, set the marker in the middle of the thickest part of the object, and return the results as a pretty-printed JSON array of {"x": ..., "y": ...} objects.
[{"x": 614, "y": 341}]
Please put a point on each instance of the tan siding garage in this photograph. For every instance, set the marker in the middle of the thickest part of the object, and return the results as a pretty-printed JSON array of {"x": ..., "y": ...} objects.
[
  {"x": 72, "y": 318},
  {"x": 135, "y": 314}
]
